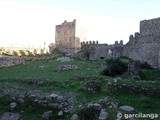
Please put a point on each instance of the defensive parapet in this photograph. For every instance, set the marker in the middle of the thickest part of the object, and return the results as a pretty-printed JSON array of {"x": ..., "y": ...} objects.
[
  {"x": 116, "y": 43},
  {"x": 133, "y": 39},
  {"x": 89, "y": 43},
  {"x": 65, "y": 23},
  {"x": 92, "y": 43}
]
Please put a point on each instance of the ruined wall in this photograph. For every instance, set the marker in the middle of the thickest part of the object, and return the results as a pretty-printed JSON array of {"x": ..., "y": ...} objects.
[
  {"x": 144, "y": 46},
  {"x": 65, "y": 36},
  {"x": 150, "y": 27},
  {"x": 99, "y": 51},
  {"x": 68, "y": 36}
]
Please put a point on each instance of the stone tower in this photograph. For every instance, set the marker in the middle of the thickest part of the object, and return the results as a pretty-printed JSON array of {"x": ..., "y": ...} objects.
[{"x": 68, "y": 36}]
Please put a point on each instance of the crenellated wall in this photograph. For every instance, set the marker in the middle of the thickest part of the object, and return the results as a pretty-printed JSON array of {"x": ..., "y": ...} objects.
[
  {"x": 100, "y": 51},
  {"x": 143, "y": 46}
]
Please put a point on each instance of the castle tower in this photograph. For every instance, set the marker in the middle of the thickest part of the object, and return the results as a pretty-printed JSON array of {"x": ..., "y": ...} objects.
[{"x": 68, "y": 36}]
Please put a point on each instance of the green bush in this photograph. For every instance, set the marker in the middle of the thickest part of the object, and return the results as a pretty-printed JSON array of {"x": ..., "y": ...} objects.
[
  {"x": 22, "y": 52},
  {"x": 29, "y": 53},
  {"x": 58, "y": 53},
  {"x": 88, "y": 114},
  {"x": 15, "y": 53},
  {"x": 114, "y": 67},
  {"x": 145, "y": 65},
  {"x": 124, "y": 57}
]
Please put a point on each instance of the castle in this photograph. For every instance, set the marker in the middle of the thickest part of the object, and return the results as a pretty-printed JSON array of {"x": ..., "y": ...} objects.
[
  {"x": 68, "y": 36},
  {"x": 143, "y": 45}
]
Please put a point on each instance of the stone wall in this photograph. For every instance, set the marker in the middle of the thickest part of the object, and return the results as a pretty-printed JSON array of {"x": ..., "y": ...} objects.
[
  {"x": 65, "y": 36},
  {"x": 143, "y": 46},
  {"x": 6, "y": 61},
  {"x": 99, "y": 51},
  {"x": 150, "y": 27},
  {"x": 135, "y": 89},
  {"x": 68, "y": 36}
]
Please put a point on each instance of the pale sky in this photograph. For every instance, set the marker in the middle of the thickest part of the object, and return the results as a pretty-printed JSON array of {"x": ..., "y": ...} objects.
[{"x": 33, "y": 21}]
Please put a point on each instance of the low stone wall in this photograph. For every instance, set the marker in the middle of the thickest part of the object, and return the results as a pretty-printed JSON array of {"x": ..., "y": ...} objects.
[
  {"x": 6, "y": 61},
  {"x": 37, "y": 58},
  {"x": 136, "y": 89}
]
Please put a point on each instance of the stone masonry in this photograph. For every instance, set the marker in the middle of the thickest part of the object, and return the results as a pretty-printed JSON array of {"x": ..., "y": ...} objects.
[
  {"x": 143, "y": 46},
  {"x": 68, "y": 36},
  {"x": 100, "y": 51}
]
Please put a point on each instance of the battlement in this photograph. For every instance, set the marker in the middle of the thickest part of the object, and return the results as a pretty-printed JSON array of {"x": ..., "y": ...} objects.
[
  {"x": 89, "y": 42},
  {"x": 120, "y": 42},
  {"x": 136, "y": 36},
  {"x": 150, "y": 27},
  {"x": 65, "y": 23},
  {"x": 97, "y": 43}
]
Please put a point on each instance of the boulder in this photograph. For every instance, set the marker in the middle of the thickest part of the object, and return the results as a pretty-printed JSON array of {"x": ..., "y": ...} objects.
[
  {"x": 60, "y": 113},
  {"x": 92, "y": 86},
  {"x": 104, "y": 101},
  {"x": 53, "y": 105},
  {"x": 66, "y": 68},
  {"x": 10, "y": 116},
  {"x": 103, "y": 115},
  {"x": 97, "y": 106},
  {"x": 47, "y": 115},
  {"x": 54, "y": 95},
  {"x": 13, "y": 105},
  {"x": 64, "y": 59},
  {"x": 74, "y": 117},
  {"x": 127, "y": 108},
  {"x": 114, "y": 104}
]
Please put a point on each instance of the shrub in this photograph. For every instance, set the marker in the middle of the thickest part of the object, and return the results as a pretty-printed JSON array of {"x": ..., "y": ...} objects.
[
  {"x": 34, "y": 51},
  {"x": 88, "y": 114},
  {"x": 29, "y": 53},
  {"x": 115, "y": 67},
  {"x": 15, "y": 53},
  {"x": 57, "y": 53},
  {"x": 124, "y": 57},
  {"x": 22, "y": 52},
  {"x": 145, "y": 65}
]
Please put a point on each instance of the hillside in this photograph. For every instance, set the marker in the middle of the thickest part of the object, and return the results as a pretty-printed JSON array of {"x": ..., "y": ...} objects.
[{"x": 71, "y": 87}]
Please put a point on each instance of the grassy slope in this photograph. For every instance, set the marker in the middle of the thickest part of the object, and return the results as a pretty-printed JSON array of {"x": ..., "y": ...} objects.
[{"x": 65, "y": 82}]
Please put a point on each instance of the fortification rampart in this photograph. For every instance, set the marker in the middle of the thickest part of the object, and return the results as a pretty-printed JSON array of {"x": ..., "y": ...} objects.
[
  {"x": 143, "y": 45},
  {"x": 65, "y": 35},
  {"x": 98, "y": 51},
  {"x": 68, "y": 36},
  {"x": 150, "y": 27}
]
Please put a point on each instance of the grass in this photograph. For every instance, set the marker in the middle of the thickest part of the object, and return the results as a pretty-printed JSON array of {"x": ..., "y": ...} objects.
[
  {"x": 150, "y": 74},
  {"x": 21, "y": 76},
  {"x": 34, "y": 70}
]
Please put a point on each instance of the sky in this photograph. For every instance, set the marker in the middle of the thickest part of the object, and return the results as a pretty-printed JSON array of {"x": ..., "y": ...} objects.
[{"x": 33, "y": 21}]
